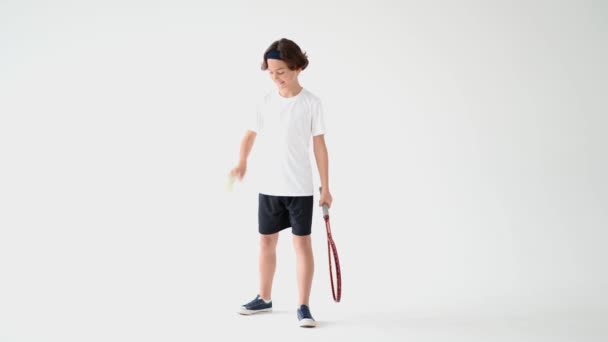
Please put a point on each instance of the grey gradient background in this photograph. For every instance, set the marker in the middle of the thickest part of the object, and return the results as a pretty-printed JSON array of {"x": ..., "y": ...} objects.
[{"x": 468, "y": 162}]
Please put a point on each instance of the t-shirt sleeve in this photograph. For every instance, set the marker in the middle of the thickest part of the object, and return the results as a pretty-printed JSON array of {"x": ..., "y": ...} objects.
[{"x": 318, "y": 120}]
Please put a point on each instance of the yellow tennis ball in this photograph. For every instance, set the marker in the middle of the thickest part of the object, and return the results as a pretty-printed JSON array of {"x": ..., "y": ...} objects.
[{"x": 230, "y": 183}]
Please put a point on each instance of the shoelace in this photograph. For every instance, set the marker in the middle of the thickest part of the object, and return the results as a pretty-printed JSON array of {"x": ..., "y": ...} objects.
[
  {"x": 305, "y": 312},
  {"x": 257, "y": 301},
  {"x": 253, "y": 303}
]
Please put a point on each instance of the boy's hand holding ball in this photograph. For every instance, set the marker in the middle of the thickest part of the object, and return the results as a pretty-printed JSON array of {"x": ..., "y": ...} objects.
[{"x": 236, "y": 173}]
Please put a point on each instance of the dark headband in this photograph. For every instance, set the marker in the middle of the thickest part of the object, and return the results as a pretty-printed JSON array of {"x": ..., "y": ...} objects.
[{"x": 273, "y": 54}]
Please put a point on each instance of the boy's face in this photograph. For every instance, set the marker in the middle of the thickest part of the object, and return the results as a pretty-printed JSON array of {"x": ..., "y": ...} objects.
[{"x": 281, "y": 75}]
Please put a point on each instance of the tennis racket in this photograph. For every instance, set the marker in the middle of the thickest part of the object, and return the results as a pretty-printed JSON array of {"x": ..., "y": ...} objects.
[{"x": 336, "y": 290}]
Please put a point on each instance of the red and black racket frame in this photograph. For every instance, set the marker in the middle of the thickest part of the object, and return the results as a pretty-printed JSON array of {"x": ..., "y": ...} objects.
[{"x": 336, "y": 290}]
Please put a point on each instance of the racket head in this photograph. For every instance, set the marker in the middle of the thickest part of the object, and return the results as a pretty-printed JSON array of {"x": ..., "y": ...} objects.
[{"x": 336, "y": 291}]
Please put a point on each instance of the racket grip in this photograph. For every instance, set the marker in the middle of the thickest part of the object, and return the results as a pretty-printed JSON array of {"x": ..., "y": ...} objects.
[{"x": 325, "y": 208}]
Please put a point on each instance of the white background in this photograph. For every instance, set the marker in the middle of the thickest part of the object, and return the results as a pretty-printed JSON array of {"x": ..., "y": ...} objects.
[{"x": 468, "y": 162}]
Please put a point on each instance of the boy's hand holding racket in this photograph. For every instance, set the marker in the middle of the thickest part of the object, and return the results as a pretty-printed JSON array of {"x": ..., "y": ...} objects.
[{"x": 325, "y": 198}]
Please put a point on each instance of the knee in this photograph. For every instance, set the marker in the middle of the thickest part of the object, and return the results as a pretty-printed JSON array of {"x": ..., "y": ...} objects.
[
  {"x": 302, "y": 243},
  {"x": 268, "y": 243}
]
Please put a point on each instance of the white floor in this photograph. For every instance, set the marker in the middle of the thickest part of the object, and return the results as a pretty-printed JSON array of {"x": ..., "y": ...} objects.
[
  {"x": 401, "y": 326},
  {"x": 179, "y": 320}
]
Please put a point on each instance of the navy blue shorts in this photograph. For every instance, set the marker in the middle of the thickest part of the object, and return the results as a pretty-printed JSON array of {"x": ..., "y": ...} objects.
[{"x": 276, "y": 213}]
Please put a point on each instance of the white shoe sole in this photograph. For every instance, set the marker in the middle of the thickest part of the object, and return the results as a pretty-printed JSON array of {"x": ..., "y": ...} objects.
[
  {"x": 307, "y": 323},
  {"x": 244, "y": 311}
]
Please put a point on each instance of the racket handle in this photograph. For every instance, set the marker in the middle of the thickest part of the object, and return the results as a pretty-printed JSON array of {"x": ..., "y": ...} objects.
[{"x": 325, "y": 208}]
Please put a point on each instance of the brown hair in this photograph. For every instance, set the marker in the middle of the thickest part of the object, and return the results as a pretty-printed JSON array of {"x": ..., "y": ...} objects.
[{"x": 290, "y": 53}]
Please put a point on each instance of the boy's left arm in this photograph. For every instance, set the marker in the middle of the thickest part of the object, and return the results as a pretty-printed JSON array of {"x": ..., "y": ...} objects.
[{"x": 320, "y": 150}]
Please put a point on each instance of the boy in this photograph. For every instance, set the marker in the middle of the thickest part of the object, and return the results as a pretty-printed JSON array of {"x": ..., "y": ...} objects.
[{"x": 285, "y": 121}]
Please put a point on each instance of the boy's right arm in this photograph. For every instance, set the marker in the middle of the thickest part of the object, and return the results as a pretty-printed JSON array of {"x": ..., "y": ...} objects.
[{"x": 245, "y": 149}]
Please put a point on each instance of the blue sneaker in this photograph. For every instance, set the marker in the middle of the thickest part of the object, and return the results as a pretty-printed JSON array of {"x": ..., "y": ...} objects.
[
  {"x": 305, "y": 318},
  {"x": 255, "y": 306}
]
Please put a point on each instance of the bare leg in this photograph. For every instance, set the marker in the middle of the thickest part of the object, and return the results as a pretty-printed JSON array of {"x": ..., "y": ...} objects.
[
  {"x": 268, "y": 263},
  {"x": 305, "y": 266}
]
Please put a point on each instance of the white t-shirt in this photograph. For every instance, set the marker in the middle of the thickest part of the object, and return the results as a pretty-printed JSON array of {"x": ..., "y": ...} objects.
[{"x": 285, "y": 127}]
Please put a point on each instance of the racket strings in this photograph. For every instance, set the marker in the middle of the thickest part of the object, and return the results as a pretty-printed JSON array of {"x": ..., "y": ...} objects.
[{"x": 336, "y": 290}]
